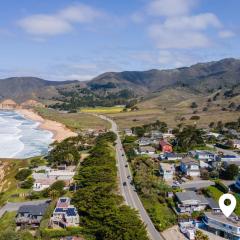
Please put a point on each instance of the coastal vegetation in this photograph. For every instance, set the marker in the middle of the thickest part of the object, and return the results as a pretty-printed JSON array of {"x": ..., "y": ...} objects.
[
  {"x": 74, "y": 121},
  {"x": 153, "y": 192},
  {"x": 102, "y": 212}
]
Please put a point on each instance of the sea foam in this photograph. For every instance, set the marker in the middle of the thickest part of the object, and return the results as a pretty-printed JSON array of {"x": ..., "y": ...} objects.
[{"x": 21, "y": 138}]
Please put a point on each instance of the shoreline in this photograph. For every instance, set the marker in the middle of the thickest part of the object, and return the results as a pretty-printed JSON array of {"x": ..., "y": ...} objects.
[{"x": 59, "y": 130}]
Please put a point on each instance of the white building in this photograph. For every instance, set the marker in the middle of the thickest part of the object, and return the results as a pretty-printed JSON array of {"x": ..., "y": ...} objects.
[
  {"x": 218, "y": 224},
  {"x": 65, "y": 214},
  {"x": 190, "y": 167},
  {"x": 189, "y": 202},
  {"x": 167, "y": 171}
]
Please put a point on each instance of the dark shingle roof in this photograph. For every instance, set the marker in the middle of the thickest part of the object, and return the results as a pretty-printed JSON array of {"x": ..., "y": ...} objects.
[{"x": 36, "y": 210}]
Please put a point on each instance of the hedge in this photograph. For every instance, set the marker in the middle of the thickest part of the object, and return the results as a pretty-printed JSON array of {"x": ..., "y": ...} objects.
[
  {"x": 53, "y": 233},
  {"x": 220, "y": 186}
]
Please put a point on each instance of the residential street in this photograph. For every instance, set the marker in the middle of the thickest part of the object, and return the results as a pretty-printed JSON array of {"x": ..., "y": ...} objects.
[
  {"x": 128, "y": 192},
  {"x": 11, "y": 207}
]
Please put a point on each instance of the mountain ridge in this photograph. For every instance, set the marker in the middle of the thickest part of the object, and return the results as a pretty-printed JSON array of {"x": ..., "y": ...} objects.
[{"x": 201, "y": 77}]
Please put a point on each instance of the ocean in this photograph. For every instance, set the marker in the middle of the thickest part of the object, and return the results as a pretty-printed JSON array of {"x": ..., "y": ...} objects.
[{"x": 21, "y": 138}]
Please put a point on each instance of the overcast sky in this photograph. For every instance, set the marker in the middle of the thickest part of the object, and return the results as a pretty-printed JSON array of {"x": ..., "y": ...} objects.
[{"x": 66, "y": 40}]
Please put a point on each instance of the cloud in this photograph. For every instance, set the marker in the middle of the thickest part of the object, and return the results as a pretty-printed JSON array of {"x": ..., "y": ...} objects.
[
  {"x": 167, "y": 38},
  {"x": 170, "y": 8},
  {"x": 176, "y": 28},
  {"x": 80, "y": 13},
  {"x": 226, "y": 34},
  {"x": 197, "y": 22},
  {"x": 60, "y": 22},
  {"x": 45, "y": 25}
]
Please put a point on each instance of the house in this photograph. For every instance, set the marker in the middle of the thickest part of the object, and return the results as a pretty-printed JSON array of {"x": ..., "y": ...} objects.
[
  {"x": 41, "y": 184},
  {"x": 30, "y": 215},
  {"x": 237, "y": 184},
  {"x": 203, "y": 155},
  {"x": 168, "y": 135},
  {"x": 155, "y": 134},
  {"x": 167, "y": 171},
  {"x": 128, "y": 132},
  {"x": 147, "y": 150},
  {"x": 230, "y": 158},
  {"x": 165, "y": 146},
  {"x": 65, "y": 214},
  {"x": 190, "y": 167},
  {"x": 222, "y": 226},
  {"x": 189, "y": 202},
  {"x": 144, "y": 141},
  {"x": 44, "y": 177},
  {"x": 236, "y": 143},
  {"x": 171, "y": 156},
  {"x": 213, "y": 205}
]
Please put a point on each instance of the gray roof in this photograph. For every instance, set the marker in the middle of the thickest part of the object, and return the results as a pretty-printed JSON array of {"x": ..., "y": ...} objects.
[
  {"x": 36, "y": 210},
  {"x": 190, "y": 195},
  {"x": 212, "y": 203}
]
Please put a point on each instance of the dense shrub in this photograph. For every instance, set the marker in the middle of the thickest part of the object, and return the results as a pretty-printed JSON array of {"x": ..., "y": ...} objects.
[{"x": 23, "y": 174}]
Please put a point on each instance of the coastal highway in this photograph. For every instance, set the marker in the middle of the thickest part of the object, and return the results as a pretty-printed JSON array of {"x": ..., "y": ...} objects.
[{"x": 128, "y": 190}]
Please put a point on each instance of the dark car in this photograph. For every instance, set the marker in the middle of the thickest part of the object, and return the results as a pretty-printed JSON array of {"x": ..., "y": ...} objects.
[
  {"x": 126, "y": 165},
  {"x": 124, "y": 184}
]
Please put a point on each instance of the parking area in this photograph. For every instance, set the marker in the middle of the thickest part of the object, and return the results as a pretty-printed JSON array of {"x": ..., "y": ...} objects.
[{"x": 173, "y": 233}]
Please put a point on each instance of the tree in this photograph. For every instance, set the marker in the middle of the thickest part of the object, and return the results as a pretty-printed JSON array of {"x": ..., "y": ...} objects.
[
  {"x": 23, "y": 174},
  {"x": 189, "y": 137},
  {"x": 28, "y": 183},
  {"x": 231, "y": 172},
  {"x": 201, "y": 236},
  {"x": 194, "y": 105}
]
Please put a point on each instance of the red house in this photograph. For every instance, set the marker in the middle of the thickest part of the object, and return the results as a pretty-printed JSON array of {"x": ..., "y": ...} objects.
[{"x": 165, "y": 146}]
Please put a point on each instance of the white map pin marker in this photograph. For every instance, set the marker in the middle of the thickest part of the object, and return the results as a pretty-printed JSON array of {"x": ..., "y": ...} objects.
[{"x": 227, "y": 210}]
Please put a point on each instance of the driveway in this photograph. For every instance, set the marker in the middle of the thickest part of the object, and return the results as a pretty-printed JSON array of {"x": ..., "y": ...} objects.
[
  {"x": 198, "y": 184},
  {"x": 11, "y": 207}
]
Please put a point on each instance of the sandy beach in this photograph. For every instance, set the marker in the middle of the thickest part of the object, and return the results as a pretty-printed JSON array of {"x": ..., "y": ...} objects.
[{"x": 60, "y": 131}]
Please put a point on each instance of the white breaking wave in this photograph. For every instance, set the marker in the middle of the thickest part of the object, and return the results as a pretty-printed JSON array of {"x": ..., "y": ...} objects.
[{"x": 21, "y": 138}]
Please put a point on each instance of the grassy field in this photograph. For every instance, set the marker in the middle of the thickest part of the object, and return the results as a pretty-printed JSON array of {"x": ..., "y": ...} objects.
[
  {"x": 9, "y": 185},
  {"x": 7, "y": 221},
  {"x": 103, "y": 110},
  {"x": 173, "y": 106},
  {"x": 74, "y": 121}
]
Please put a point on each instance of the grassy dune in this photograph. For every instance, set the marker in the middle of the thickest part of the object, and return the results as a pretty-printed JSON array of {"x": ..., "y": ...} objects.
[{"x": 74, "y": 121}]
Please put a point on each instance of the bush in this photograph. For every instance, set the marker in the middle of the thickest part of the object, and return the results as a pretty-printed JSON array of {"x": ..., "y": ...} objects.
[
  {"x": 194, "y": 105},
  {"x": 195, "y": 117},
  {"x": 23, "y": 174},
  {"x": 55, "y": 233},
  {"x": 220, "y": 186},
  {"x": 27, "y": 184}
]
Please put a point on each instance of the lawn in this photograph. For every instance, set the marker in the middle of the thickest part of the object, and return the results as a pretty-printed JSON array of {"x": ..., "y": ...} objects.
[
  {"x": 74, "y": 121},
  {"x": 215, "y": 192},
  {"x": 7, "y": 221},
  {"x": 103, "y": 110}
]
